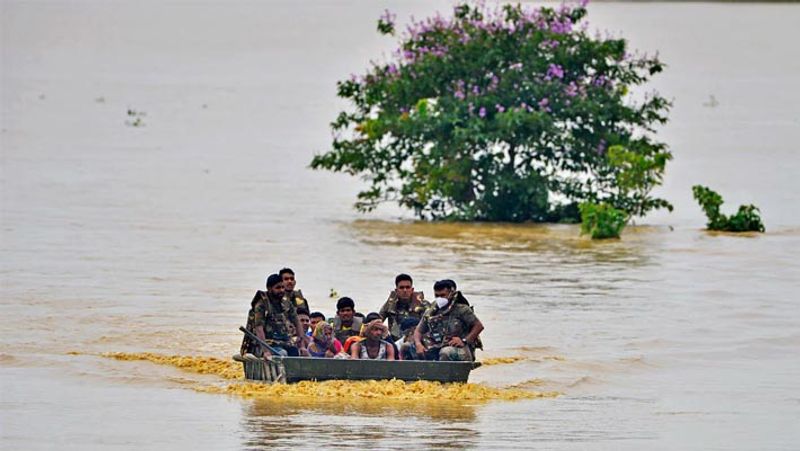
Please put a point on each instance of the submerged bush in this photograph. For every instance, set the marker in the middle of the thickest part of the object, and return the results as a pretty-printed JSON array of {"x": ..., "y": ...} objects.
[
  {"x": 503, "y": 114},
  {"x": 747, "y": 219},
  {"x": 602, "y": 221}
]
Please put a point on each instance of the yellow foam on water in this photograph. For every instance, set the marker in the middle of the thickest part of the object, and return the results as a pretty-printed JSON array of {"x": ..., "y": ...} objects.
[
  {"x": 393, "y": 389},
  {"x": 226, "y": 369},
  {"x": 501, "y": 360}
]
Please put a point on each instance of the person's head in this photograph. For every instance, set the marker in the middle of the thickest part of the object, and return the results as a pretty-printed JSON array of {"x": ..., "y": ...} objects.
[
  {"x": 443, "y": 288},
  {"x": 316, "y": 318},
  {"x": 345, "y": 308},
  {"x": 275, "y": 285},
  {"x": 323, "y": 333},
  {"x": 305, "y": 319},
  {"x": 287, "y": 276},
  {"x": 404, "y": 286},
  {"x": 375, "y": 330},
  {"x": 372, "y": 316},
  {"x": 408, "y": 325}
]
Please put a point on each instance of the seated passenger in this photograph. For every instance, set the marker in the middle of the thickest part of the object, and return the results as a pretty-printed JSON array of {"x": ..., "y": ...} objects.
[
  {"x": 372, "y": 316},
  {"x": 323, "y": 344},
  {"x": 269, "y": 318},
  {"x": 403, "y": 302},
  {"x": 314, "y": 318},
  {"x": 449, "y": 329},
  {"x": 406, "y": 341},
  {"x": 305, "y": 321},
  {"x": 345, "y": 324},
  {"x": 373, "y": 346}
]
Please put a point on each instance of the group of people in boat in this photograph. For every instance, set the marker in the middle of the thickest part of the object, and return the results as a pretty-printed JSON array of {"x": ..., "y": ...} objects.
[{"x": 407, "y": 327}]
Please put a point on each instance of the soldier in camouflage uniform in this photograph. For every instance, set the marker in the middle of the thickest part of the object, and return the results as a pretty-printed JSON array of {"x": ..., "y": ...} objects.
[
  {"x": 449, "y": 329},
  {"x": 403, "y": 303},
  {"x": 294, "y": 296},
  {"x": 268, "y": 318}
]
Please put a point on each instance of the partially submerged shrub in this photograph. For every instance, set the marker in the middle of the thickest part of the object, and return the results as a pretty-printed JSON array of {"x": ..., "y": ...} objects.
[
  {"x": 747, "y": 219},
  {"x": 502, "y": 115},
  {"x": 602, "y": 221}
]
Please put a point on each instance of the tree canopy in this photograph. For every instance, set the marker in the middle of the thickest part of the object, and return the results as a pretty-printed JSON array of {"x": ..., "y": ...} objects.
[{"x": 502, "y": 114}]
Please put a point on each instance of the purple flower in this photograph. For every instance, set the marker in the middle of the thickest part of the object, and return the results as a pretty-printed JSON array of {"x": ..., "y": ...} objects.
[
  {"x": 571, "y": 90},
  {"x": 482, "y": 112},
  {"x": 391, "y": 69},
  {"x": 476, "y": 90},
  {"x": 500, "y": 108},
  {"x": 543, "y": 104},
  {"x": 459, "y": 94},
  {"x": 554, "y": 71},
  {"x": 515, "y": 66}
]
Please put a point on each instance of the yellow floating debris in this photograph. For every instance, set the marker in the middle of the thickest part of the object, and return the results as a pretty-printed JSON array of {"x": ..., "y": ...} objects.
[
  {"x": 501, "y": 360},
  {"x": 393, "y": 389},
  {"x": 226, "y": 369}
]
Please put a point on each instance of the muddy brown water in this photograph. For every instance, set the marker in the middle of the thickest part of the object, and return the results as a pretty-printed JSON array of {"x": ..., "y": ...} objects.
[{"x": 152, "y": 238}]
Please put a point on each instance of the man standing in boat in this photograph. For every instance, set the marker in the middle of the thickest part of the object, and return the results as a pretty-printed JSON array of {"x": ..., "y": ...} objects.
[
  {"x": 268, "y": 319},
  {"x": 403, "y": 303},
  {"x": 294, "y": 296},
  {"x": 449, "y": 329}
]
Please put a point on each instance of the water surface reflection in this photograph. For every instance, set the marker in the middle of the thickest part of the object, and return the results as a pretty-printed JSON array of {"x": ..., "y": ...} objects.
[{"x": 375, "y": 424}]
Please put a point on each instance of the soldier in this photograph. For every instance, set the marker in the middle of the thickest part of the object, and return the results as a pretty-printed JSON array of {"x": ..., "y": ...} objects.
[
  {"x": 294, "y": 296},
  {"x": 403, "y": 303},
  {"x": 449, "y": 329},
  {"x": 346, "y": 324},
  {"x": 268, "y": 317}
]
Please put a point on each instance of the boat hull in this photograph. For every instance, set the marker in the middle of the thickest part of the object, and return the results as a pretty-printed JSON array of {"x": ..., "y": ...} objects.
[{"x": 295, "y": 369}]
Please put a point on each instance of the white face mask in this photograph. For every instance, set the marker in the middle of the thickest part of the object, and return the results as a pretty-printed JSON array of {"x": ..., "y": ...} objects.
[{"x": 441, "y": 302}]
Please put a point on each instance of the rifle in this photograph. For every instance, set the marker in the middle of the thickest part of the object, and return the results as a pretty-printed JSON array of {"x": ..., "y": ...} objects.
[{"x": 254, "y": 337}]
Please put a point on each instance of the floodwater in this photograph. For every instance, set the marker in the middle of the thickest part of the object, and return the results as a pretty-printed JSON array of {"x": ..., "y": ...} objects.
[{"x": 151, "y": 236}]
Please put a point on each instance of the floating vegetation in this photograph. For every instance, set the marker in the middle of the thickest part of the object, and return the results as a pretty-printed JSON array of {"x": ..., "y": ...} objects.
[
  {"x": 226, "y": 369},
  {"x": 135, "y": 118},
  {"x": 391, "y": 389},
  {"x": 501, "y": 360}
]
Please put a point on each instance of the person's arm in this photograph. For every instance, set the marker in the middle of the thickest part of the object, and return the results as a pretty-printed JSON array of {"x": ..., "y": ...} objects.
[
  {"x": 418, "y": 337},
  {"x": 390, "y": 353},
  {"x": 302, "y": 339},
  {"x": 472, "y": 336},
  {"x": 355, "y": 350}
]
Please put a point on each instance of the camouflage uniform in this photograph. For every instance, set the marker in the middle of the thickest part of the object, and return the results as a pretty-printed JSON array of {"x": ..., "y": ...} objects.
[
  {"x": 396, "y": 311},
  {"x": 272, "y": 318},
  {"x": 438, "y": 326},
  {"x": 297, "y": 299}
]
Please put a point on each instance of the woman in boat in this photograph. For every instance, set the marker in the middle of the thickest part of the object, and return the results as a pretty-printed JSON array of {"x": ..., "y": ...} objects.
[
  {"x": 322, "y": 342},
  {"x": 373, "y": 346}
]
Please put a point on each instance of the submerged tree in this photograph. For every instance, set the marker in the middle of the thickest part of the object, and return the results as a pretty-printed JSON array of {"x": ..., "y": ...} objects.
[
  {"x": 746, "y": 219},
  {"x": 501, "y": 115}
]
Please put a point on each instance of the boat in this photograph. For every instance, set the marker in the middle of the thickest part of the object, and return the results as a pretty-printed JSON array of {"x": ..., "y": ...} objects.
[{"x": 295, "y": 369}]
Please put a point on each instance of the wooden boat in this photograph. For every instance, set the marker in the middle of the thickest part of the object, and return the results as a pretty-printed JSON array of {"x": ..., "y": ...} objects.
[{"x": 295, "y": 369}]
